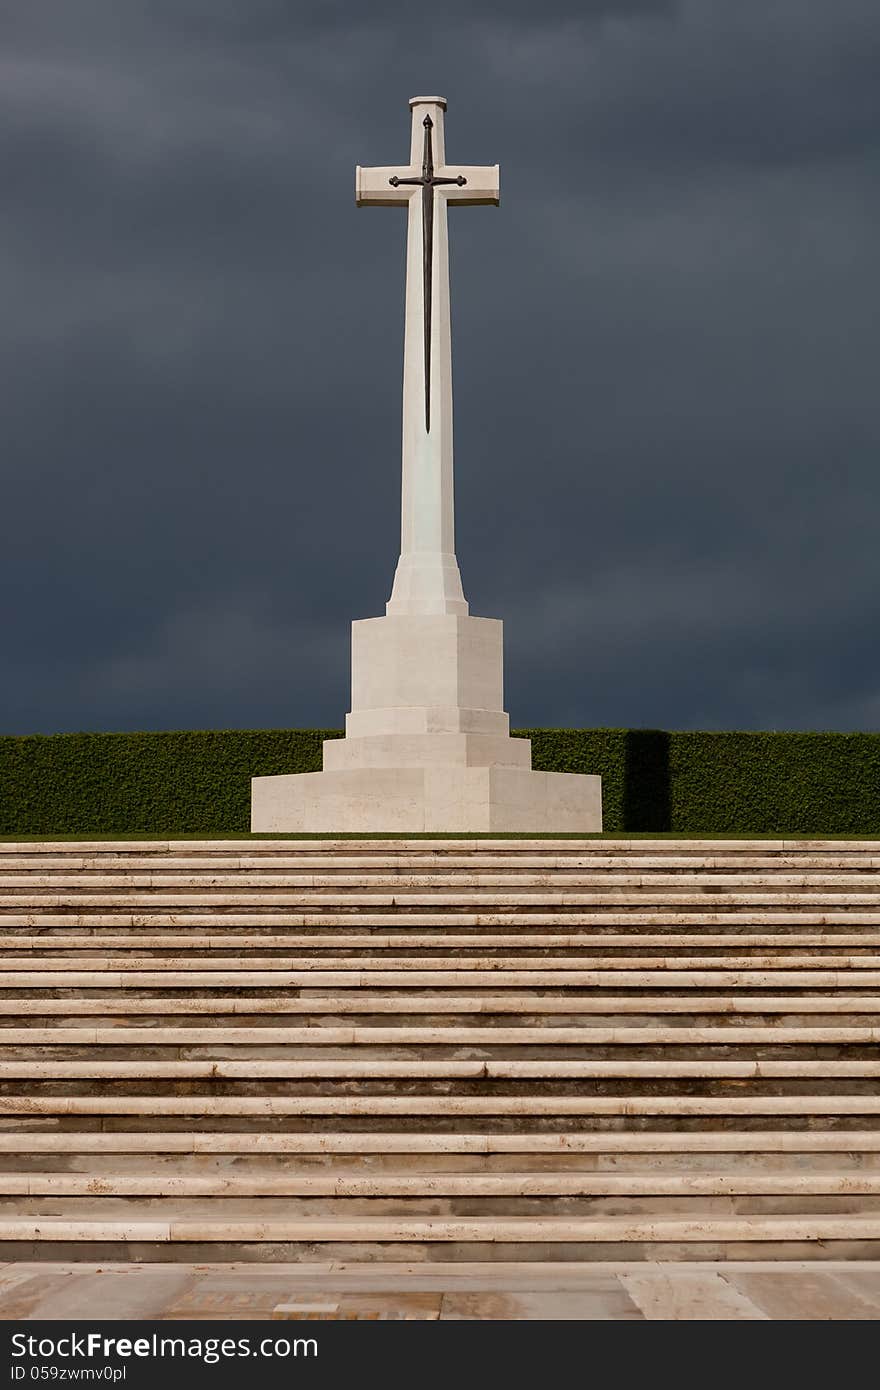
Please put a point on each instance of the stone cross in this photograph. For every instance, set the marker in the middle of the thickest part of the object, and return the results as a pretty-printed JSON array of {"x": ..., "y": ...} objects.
[
  {"x": 427, "y": 742},
  {"x": 427, "y": 579}
]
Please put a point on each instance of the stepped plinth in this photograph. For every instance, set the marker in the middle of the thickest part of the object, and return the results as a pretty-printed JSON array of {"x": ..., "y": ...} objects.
[{"x": 427, "y": 744}]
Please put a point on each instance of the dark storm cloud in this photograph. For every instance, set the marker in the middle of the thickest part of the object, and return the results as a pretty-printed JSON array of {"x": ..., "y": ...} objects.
[{"x": 665, "y": 348}]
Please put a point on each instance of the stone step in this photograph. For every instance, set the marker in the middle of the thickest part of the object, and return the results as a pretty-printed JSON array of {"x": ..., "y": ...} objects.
[
  {"x": 544, "y": 1081},
  {"x": 609, "y": 898},
  {"x": 441, "y": 1105},
  {"x": 439, "y": 979},
  {"x": 601, "y": 1142},
  {"x": 443, "y": 1067},
  {"x": 441, "y": 941},
  {"x": 11, "y": 966},
  {"x": 442, "y": 845},
  {"x": 428, "y": 936},
  {"x": 333, "y": 865},
  {"x": 397, "y": 1230},
  {"x": 219, "y": 1167},
  {"x": 478, "y": 1003},
  {"x": 405, "y": 1035},
  {"x": 612, "y": 881},
  {"x": 397, "y": 1184},
  {"x": 269, "y": 1207},
  {"x": 436, "y": 920}
]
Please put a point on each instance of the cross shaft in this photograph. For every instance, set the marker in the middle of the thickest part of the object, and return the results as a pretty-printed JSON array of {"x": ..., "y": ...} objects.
[
  {"x": 429, "y": 181},
  {"x": 427, "y": 579}
]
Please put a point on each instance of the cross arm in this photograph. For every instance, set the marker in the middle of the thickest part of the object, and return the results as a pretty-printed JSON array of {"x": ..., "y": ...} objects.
[
  {"x": 483, "y": 184},
  {"x": 373, "y": 187}
]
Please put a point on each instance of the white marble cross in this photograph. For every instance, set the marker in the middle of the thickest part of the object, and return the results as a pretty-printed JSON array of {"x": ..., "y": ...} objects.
[{"x": 427, "y": 579}]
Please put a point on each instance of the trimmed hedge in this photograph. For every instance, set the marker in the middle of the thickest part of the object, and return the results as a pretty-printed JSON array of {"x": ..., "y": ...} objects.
[
  {"x": 688, "y": 783},
  {"x": 164, "y": 783}
]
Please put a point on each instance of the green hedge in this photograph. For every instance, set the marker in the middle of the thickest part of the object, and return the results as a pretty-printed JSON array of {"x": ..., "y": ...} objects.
[
  {"x": 163, "y": 783},
  {"x": 652, "y": 780}
]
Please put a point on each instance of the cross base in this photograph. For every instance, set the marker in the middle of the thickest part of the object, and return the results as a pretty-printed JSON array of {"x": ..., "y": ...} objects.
[
  {"x": 456, "y": 799},
  {"x": 427, "y": 744}
]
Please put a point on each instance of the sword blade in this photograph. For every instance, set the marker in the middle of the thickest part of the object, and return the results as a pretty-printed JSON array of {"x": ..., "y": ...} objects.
[
  {"x": 427, "y": 288},
  {"x": 427, "y": 259}
]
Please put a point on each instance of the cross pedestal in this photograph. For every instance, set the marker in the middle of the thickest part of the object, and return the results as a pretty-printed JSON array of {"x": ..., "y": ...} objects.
[{"x": 427, "y": 743}]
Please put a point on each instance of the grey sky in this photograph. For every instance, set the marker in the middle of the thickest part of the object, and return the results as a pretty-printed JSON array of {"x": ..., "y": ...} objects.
[{"x": 665, "y": 351}]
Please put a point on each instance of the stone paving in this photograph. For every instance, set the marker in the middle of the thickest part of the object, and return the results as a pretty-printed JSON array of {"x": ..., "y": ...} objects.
[{"x": 669, "y": 1292}]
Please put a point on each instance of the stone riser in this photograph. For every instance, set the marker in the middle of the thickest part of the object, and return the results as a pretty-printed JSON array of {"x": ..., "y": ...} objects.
[
  {"x": 116, "y": 1020},
  {"x": 439, "y": 1021},
  {"x": 452, "y": 844},
  {"x": 55, "y": 942},
  {"x": 120, "y": 1014},
  {"x": 247, "y": 1006},
  {"x": 861, "y": 1211},
  {"x": 372, "y": 892},
  {"x": 713, "y": 1247},
  {"x": 233, "y": 1006},
  {"x": 442, "y": 916},
  {"x": 244, "y": 1006},
  {"x": 580, "y": 857},
  {"x": 158, "y": 1166},
  {"x": 551, "y": 1036},
  {"x": 107, "y": 1193},
  {"x": 535, "y": 1069},
  {"x": 506, "y": 1033},
  {"x": 583, "y": 857},
  {"x": 493, "y": 1046},
  {"x": 607, "y": 1128},
  {"x": 469, "y": 1068},
  {"x": 613, "y": 953},
  {"x": 297, "y": 856},
  {"x": 634, "y": 957},
  {"x": 116, "y": 968},
  {"x": 454, "y": 981},
  {"x": 402, "y": 908},
  {"x": 392, "y": 1097},
  {"x": 160, "y": 1022},
  {"x": 370, "y": 966},
  {"x": 439, "y": 856},
  {"x": 614, "y": 881}
]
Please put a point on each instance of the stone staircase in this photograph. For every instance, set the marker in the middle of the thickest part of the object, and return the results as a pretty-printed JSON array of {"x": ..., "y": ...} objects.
[{"x": 449, "y": 1049}]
